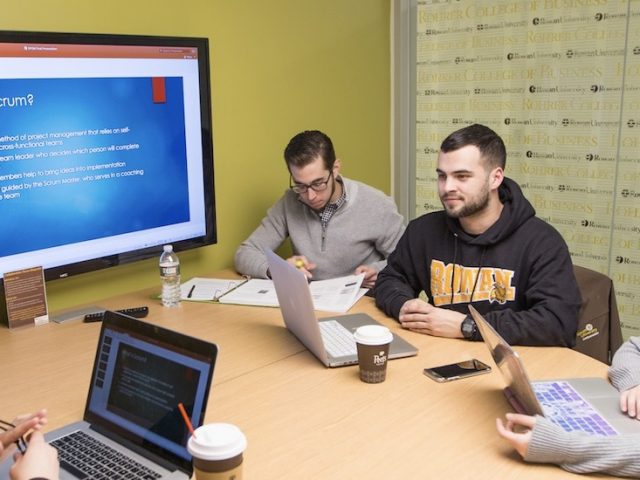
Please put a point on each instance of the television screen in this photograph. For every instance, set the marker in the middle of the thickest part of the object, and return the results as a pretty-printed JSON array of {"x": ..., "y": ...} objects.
[{"x": 105, "y": 149}]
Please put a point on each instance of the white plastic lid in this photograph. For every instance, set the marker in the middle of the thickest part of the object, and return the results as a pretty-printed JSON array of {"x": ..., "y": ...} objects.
[
  {"x": 217, "y": 441},
  {"x": 373, "y": 335},
  {"x": 168, "y": 248}
]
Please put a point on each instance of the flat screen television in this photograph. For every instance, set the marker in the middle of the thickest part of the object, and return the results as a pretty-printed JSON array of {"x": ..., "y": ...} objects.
[{"x": 106, "y": 149}]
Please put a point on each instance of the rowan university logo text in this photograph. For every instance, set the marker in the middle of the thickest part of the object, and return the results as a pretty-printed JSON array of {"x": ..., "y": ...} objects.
[{"x": 493, "y": 284}]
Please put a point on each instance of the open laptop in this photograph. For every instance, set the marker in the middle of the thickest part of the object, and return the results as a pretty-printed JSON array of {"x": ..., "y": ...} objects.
[
  {"x": 140, "y": 374},
  {"x": 329, "y": 339},
  {"x": 588, "y": 405}
]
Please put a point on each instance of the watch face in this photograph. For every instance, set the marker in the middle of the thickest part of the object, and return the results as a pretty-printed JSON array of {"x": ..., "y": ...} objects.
[{"x": 467, "y": 327}]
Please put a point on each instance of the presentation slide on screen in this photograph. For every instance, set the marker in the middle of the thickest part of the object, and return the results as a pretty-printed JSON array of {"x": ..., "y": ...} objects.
[
  {"x": 147, "y": 388},
  {"x": 137, "y": 386},
  {"x": 84, "y": 158}
]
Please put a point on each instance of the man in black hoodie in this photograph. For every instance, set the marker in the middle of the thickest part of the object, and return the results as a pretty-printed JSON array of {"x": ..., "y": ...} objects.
[{"x": 485, "y": 248}]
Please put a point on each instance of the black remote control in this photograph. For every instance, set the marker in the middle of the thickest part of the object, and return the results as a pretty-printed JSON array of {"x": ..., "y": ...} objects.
[{"x": 136, "y": 312}]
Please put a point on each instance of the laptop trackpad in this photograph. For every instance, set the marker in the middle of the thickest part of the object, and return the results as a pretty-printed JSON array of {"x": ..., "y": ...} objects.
[
  {"x": 610, "y": 409},
  {"x": 606, "y": 399}
]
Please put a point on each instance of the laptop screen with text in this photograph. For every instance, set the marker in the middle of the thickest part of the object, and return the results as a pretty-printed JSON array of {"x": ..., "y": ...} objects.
[{"x": 137, "y": 385}]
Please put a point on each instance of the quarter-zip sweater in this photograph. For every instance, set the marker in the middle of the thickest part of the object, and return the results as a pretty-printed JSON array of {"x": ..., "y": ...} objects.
[
  {"x": 364, "y": 230},
  {"x": 518, "y": 273}
]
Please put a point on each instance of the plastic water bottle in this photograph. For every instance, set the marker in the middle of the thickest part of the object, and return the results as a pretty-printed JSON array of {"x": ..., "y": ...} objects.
[{"x": 170, "y": 277}]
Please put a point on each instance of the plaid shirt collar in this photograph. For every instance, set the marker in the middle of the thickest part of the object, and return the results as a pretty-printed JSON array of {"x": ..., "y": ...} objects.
[{"x": 331, "y": 208}]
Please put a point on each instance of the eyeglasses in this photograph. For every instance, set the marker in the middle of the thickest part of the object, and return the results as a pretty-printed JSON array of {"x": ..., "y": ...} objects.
[
  {"x": 20, "y": 442},
  {"x": 317, "y": 186}
]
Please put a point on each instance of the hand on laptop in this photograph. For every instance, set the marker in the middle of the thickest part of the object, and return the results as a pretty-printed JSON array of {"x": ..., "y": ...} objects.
[
  {"x": 302, "y": 264},
  {"x": 370, "y": 275},
  {"x": 517, "y": 431},
  {"x": 630, "y": 402},
  {"x": 422, "y": 317},
  {"x": 39, "y": 461}
]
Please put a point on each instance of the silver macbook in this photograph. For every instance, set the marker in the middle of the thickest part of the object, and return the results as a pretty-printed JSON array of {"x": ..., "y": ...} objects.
[
  {"x": 588, "y": 405},
  {"x": 140, "y": 375},
  {"x": 329, "y": 339}
]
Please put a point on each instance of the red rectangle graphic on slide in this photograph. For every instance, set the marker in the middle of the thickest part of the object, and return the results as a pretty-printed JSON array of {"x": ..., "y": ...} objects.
[{"x": 159, "y": 90}]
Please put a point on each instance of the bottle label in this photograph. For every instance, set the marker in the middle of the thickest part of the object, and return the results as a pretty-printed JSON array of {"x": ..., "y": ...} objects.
[{"x": 170, "y": 271}]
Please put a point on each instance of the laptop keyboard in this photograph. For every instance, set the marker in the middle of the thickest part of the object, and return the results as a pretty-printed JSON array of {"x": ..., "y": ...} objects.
[
  {"x": 338, "y": 341},
  {"x": 565, "y": 407},
  {"x": 87, "y": 457}
]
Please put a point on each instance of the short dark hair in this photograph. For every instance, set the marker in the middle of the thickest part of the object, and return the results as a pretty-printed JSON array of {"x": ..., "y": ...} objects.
[
  {"x": 489, "y": 143},
  {"x": 306, "y": 146}
]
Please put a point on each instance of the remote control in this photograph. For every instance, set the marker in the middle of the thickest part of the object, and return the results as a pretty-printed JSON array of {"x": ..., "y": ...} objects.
[{"x": 136, "y": 312}]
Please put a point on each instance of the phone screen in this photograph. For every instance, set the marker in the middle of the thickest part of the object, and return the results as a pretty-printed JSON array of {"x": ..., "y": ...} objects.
[{"x": 458, "y": 370}]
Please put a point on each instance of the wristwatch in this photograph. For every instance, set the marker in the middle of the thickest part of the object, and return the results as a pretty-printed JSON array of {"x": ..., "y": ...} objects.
[{"x": 469, "y": 328}]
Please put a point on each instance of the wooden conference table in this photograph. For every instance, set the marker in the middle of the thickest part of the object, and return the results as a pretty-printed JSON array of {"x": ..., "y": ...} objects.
[{"x": 302, "y": 420}]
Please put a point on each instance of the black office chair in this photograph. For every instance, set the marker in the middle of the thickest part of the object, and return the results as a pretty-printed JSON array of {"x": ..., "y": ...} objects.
[{"x": 599, "y": 332}]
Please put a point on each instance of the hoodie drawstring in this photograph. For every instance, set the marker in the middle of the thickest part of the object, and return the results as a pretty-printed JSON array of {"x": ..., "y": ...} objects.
[
  {"x": 453, "y": 273},
  {"x": 475, "y": 284}
]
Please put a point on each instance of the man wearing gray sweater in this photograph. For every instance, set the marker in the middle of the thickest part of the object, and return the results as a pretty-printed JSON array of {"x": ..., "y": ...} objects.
[
  {"x": 544, "y": 442},
  {"x": 337, "y": 226}
]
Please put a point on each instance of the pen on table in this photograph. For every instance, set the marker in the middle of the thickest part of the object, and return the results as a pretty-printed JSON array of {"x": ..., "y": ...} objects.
[
  {"x": 193, "y": 287},
  {"x": 185, "y": 417}
]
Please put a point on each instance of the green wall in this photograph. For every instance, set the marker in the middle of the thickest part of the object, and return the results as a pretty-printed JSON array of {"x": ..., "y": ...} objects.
[{"x": 279, "y": 67}]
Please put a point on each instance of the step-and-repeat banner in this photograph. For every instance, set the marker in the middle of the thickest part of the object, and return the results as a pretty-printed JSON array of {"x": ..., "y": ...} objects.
[{"x": 559, "y": 80}]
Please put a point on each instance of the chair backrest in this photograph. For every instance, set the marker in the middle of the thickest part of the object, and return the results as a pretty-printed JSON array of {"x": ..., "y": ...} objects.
[{"x": 599, "y": 332}]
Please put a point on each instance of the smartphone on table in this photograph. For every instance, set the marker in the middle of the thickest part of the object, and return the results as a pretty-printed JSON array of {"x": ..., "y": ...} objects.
[{"x": 455, "y": 371}]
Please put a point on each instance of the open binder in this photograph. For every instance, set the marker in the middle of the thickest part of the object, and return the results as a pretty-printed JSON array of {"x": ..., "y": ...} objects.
[
  {"x": 334, "y": 295},
  {"x": 209, "y": 289}
]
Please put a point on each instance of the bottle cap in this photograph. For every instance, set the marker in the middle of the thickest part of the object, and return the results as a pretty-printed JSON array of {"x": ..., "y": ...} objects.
[{"x": 168, "y": 248}]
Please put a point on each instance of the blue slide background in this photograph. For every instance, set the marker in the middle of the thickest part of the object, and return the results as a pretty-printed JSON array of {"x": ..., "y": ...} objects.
[{"x": 63, "y": 214}]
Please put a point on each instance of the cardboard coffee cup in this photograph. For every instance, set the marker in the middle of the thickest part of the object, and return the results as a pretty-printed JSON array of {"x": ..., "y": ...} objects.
[
  {"x": 217, "y": 450},
  {"x": 373, "y": 352}
]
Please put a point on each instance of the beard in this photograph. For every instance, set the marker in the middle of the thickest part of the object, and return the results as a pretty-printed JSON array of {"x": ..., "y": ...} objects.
[{"x": 470, "y": 207}]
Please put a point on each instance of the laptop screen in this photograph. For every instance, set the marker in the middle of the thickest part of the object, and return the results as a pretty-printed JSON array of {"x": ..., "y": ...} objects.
[
  {"x": 141, "y": 373},
  {"x": 519, "y": 391}
]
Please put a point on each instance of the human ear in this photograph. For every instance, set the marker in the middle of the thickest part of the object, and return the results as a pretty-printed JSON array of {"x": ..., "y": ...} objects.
[
  {"x": 496, "y": 176},
  {"x": 336, "y": 167}
]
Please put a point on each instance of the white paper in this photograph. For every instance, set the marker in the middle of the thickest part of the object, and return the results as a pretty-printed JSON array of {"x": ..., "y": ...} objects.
[
  {"x": 337, "y": 294},
  {"x": 333, "y": 295}
]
